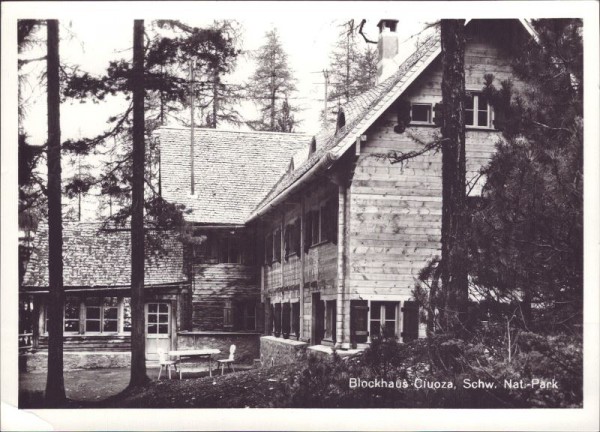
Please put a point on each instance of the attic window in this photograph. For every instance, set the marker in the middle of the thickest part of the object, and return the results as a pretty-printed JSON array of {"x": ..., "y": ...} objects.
[
  {"x": 420, "y": 113},
  {"x": 341, "y": 120}
]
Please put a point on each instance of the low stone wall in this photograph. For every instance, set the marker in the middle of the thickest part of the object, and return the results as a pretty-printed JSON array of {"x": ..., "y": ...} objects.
[
  {"x": 38, "y": 361},
  {"x": 275, "y": 351},
  {"x": 247, "y": 344}
]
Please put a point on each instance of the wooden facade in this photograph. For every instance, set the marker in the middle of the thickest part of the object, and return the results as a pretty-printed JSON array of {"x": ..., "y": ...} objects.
[{"x": 389, "y": 215}]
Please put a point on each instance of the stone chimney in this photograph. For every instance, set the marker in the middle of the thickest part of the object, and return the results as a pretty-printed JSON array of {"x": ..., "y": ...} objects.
[{"x": 387, "y": 49}]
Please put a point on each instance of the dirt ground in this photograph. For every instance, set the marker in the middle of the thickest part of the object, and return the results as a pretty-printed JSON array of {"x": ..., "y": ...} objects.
[{"x": 103, "y": 388}]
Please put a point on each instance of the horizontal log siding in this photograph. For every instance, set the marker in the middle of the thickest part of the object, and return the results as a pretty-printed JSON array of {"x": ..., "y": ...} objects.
[
  {"x": 396, "y": 210},
  {"x": 213, "y": 284},
  {"x": 320, "y": 267},
  {"x": 92, "y": 343}
]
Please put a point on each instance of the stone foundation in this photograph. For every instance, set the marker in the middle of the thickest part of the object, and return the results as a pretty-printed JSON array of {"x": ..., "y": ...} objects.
[
  {"x": 247, "y": 344},
  {"x": 38, "y": 361},
  {"x": 276, "y": 351},
  {"x": 326, "y": 352}
]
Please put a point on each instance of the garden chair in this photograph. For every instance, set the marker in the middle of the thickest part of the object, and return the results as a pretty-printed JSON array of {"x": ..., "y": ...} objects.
[
  {"x": 164, "y": 362},
  {"x": 228, "y": 361}
]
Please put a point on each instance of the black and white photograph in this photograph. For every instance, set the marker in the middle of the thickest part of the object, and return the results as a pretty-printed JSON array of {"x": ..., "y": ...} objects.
[{"x": 302, "y": 205}]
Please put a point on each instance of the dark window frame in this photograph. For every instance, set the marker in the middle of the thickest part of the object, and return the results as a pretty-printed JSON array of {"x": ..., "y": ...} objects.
[{"x": 429, "y": 120}]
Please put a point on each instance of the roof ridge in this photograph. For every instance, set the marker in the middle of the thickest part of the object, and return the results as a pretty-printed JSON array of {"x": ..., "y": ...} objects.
[{"x": 236, "y": 131}]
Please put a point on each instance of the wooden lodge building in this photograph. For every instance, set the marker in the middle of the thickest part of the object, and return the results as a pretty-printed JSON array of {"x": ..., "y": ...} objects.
[{"x": 303, "y": 242}]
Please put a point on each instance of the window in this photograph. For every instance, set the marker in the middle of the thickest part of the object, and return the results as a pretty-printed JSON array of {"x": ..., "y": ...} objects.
[
  {"x": 478, "y": 112},
  {"x": 277, "y": 245},
  {"x": 296, "y": 319},
  {"x": 420, "y": 113},
  {"x": 158, "y": 319},
  {"x": 329, "y": 218},
  {"x": 330, "y": 319},
  {"x": 269, "y": 248},
  {"x": 292, "y": 238},
  {"x": 101, "y": 315},
  {"x": 383, "y": 319},
  {"x": 286, "y": 319},
  {"x": 127, "y": 315},
  {"x": 72, "y": 309},
  {"x": 229, "y": 250},
  {"x": 315, "y": 228},
  {"x": 95, "y": 315}
]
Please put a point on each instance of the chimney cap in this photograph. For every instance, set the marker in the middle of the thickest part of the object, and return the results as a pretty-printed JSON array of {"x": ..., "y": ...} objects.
[{"x": 389, "y": 23}]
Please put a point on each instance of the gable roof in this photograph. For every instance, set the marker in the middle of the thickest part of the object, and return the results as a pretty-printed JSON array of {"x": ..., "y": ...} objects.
[
  {"x": 94, "y": 257},
  {"x": 360, "y": 114},
  {"x": 233, "y": 170}
]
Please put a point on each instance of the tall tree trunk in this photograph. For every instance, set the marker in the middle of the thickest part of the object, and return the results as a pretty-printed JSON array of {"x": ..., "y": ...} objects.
[
  {"x": 138, "y": 341},
  {"x": 55, "y": 386},
  {"x": 454, "y": 250}
]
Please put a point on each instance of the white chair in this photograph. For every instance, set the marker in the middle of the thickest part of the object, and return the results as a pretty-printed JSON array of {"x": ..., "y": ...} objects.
[
  {"x": 164, "y": 362},
  {"x": 228, "y": 361}
]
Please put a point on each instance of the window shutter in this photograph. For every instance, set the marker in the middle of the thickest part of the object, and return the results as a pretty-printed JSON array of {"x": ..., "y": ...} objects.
[
  {"x": 359, "y": 321},
  {"x": 307, "y": 231},
  {"x": 287, "y": 241},
  {"x": 410, "y": 321},
  {"x": 437, "y": 114}
]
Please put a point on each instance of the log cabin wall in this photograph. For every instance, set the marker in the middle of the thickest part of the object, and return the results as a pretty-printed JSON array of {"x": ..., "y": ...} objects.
[
  {"x": 224, "y": 280},
  {"x": 396, "y": 209},
  {"x": 282, "y": 280}
]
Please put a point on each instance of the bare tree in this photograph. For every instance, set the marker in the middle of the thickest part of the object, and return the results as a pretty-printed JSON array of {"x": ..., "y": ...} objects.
[{"x": 55, "y": 386}]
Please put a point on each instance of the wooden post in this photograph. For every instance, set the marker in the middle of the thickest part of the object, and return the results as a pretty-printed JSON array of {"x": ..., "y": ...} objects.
[
  {"x": 341, "y": 336},
  {"x": 302, "y": 228}
]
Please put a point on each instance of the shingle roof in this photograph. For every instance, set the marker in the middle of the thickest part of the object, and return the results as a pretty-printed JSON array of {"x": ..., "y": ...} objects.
[
  {"x": 358, "y": 112},
  {"x": 96, "y": 257},
  {"x": 234, "y": 170}
]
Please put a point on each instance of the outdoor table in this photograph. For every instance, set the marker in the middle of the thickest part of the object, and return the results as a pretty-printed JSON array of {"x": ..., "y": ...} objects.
[{"x": 195, "y": 353}]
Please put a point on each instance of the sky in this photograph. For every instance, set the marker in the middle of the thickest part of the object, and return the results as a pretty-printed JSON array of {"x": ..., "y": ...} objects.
[{"x": 307, "y": 35}]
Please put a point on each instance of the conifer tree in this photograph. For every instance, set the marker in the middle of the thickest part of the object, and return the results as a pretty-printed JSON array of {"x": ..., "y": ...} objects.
[{"x": 271, "y": 85}]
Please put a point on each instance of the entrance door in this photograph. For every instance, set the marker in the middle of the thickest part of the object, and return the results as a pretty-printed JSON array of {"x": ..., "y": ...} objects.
[{"x": 158, "y": 329}]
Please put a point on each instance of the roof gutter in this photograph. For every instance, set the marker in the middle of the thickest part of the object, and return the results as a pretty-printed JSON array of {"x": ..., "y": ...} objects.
[{"x": 322, "y": 165}]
